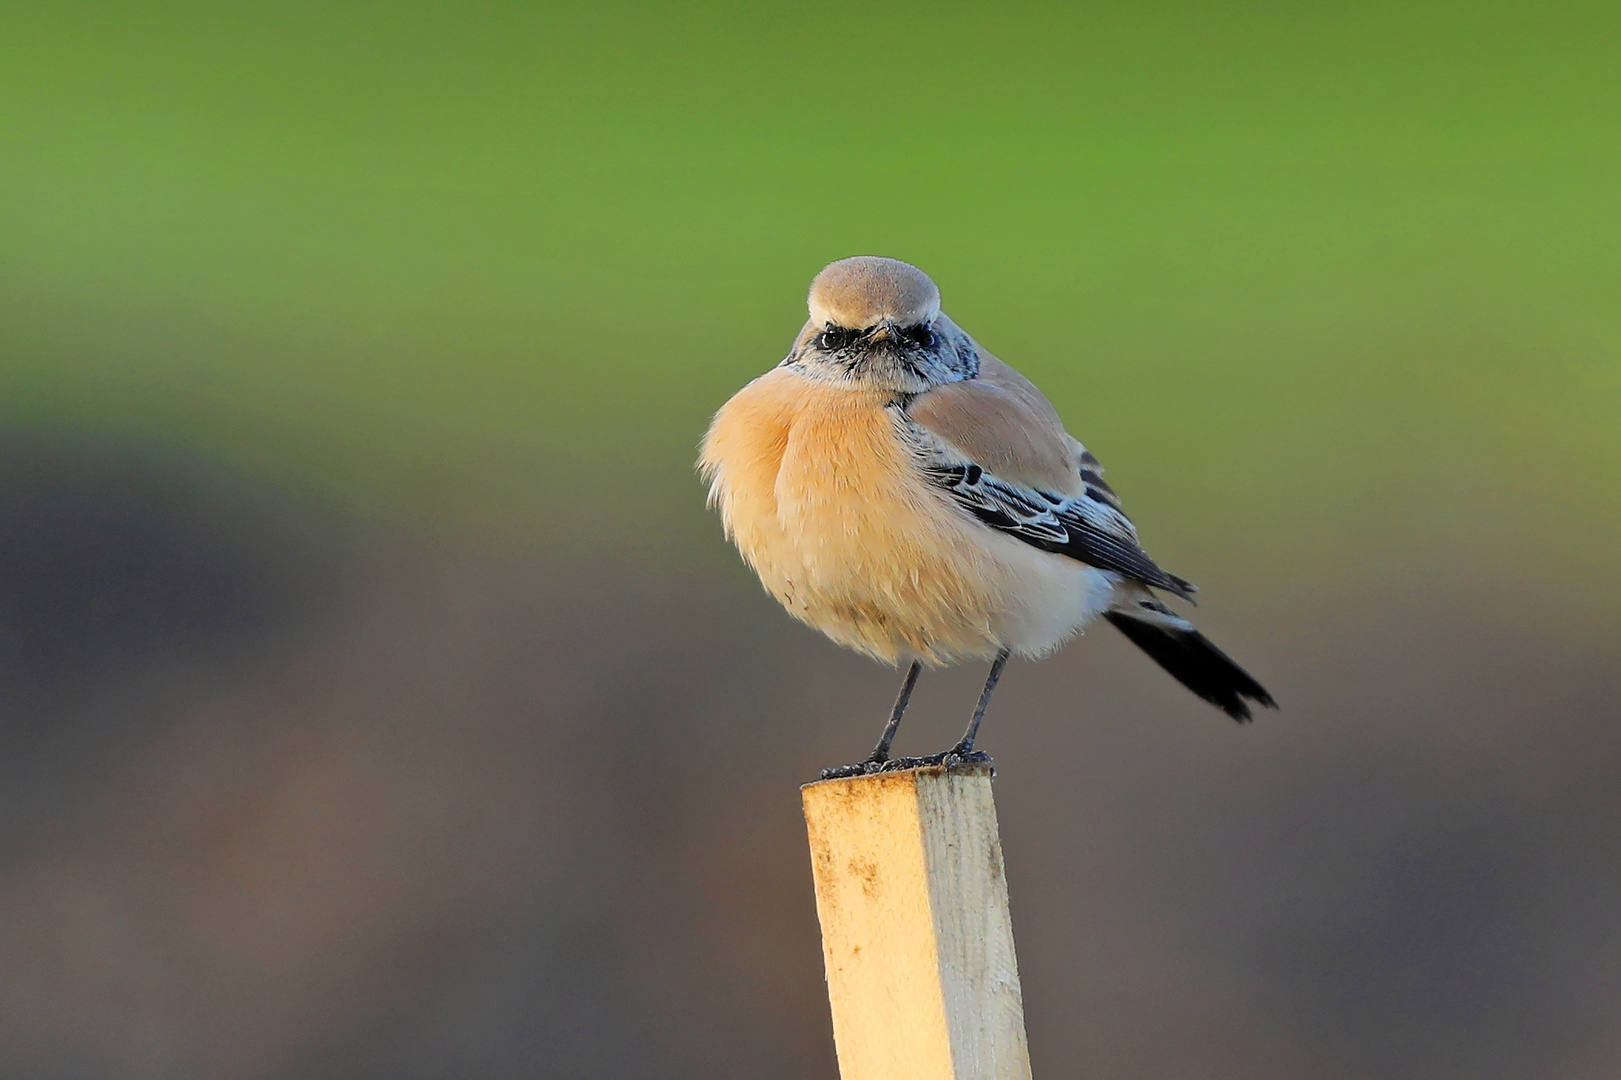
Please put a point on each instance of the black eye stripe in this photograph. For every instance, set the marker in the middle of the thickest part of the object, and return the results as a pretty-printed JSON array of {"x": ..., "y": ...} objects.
[{"x": 835, "y": 338}]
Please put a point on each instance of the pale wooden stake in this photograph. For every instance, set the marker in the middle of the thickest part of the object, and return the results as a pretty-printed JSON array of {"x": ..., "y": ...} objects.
[{"x": 916, "y": 936}]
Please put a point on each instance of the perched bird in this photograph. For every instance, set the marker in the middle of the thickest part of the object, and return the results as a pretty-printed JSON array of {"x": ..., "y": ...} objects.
[{"x": 911, "y": 496}]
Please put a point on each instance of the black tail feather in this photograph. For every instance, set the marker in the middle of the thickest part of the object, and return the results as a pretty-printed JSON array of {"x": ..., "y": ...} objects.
[{"x": 1195, "y": 663}]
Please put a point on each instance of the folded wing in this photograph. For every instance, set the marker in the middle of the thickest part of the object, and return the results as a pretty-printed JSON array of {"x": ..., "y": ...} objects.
[{"x": 996, "y": 447}]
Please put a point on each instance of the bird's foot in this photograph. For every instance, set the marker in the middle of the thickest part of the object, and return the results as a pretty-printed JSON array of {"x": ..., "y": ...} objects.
[
  {"x": 957, "y": 755},
  {"x": 950, "y": 759},
  {"x": 860, "y": 768}
]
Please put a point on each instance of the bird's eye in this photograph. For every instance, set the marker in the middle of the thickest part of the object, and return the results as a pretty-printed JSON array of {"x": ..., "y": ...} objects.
[
  {"x": 834, "y": 338},
  {"x": 920, "y": 337}
]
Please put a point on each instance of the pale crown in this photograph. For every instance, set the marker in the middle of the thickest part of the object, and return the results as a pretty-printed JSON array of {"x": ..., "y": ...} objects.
[{"x": 865, "y": 290}]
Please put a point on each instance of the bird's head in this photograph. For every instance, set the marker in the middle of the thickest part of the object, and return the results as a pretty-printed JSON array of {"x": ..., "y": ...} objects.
[{"x": 877, "y": 323}]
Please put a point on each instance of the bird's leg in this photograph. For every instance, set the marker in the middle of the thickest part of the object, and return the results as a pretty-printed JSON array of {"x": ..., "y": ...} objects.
[
  {"x": 965, "y": 746},
  {"x": 963, "y": 752},
  {"x": 880, "y": 753}
]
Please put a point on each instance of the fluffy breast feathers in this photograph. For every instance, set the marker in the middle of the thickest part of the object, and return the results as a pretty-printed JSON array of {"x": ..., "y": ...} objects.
[
  {"x": 825, "y": 492},
  {"x": 821, "y": 493}
]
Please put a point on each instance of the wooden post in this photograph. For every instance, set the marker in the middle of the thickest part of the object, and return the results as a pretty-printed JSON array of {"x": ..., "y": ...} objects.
[{"x": 916, "y": 936}]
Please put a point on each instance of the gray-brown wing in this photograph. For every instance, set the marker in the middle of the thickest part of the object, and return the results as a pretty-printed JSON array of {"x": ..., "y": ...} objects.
[{"x": 997, "y": 448}]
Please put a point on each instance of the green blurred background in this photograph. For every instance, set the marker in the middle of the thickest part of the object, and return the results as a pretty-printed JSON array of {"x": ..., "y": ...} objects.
[
  {"x": 1313, "y": 277},
  {"x": 1334, "y": 290}
]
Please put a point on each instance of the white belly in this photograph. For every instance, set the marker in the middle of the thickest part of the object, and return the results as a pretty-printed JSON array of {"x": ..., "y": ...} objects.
[{"x": 1050, "y": 598}]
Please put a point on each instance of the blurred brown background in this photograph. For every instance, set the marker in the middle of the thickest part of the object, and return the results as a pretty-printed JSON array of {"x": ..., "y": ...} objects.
[{"x": 378, "y": 699}]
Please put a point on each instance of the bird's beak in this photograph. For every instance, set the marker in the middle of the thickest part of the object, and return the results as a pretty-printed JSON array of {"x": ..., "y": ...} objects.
[{"x": 883, "y": 331}]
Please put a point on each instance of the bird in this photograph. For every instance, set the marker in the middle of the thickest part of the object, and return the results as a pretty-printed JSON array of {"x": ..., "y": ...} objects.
[{"x": 899, "y": 488}]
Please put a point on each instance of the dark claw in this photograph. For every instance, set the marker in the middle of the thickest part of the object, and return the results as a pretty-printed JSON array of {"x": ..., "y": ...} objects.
[{"x": 860, "y": 768}]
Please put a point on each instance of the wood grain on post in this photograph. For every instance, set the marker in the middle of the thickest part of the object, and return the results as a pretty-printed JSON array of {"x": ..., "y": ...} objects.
[{"x": 916, "y": 935}]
